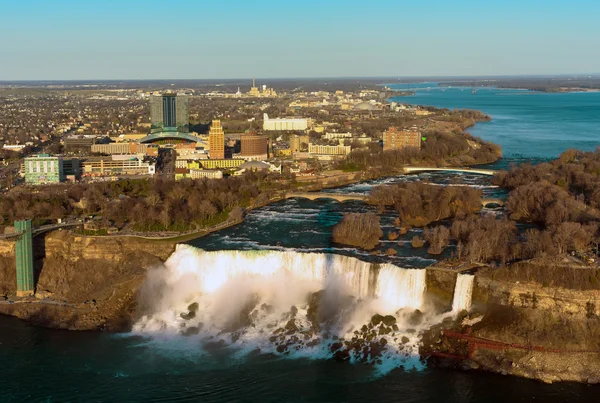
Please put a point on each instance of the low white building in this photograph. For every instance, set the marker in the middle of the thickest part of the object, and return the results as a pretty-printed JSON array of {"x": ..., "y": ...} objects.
[
  {"x": 257, "y": 166},
  {"x": 13, "y": 147},
  {"x": 335, "y": 136},
  {"x": 206, "y": 173},
  {"x": 295, "y": 123},
  {"x": 328, "y": 150}
]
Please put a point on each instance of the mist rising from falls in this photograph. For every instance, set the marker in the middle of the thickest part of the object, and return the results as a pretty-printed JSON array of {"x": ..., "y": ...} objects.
[
  {"x": 463, "y": 292},
  {"x": 285, "y": 302}
]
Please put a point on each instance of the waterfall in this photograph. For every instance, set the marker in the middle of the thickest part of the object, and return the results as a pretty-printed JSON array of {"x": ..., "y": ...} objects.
[
  {"x": 400, "y": 287},
  {"x": 287, "y": 302},
  {"x": 207, "y": 272},
  {"x": 463, "y": 291}
]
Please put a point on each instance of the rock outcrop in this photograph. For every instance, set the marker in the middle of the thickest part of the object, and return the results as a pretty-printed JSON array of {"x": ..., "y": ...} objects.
[
  {"x": 83, "y": 282},
  {"x": 524, "y": 329}
]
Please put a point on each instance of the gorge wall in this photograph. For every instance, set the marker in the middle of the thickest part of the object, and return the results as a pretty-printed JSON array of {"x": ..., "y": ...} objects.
[
  {"x": 89, "y": 282},
  {"x": 549, "y": 333},
  {"x": 514, "y": 327}
]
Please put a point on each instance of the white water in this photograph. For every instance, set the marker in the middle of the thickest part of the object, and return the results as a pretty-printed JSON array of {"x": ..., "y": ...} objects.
[
  {"x": 401, "y": 287},
  {"x": 267, "y": 286},
  {"x": 463, "y": 291}
]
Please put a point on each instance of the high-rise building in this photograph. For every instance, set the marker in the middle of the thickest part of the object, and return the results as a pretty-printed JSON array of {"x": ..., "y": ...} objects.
[
  {"x": 394, "y": 139},
  {"x": 43, "y": 168},
  {"x": 169, "y": 113},
  {"x": 216, "y": 140},
  {"x": 254, "y": 147}
]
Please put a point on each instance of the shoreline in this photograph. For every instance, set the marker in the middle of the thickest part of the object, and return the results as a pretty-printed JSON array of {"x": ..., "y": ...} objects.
[{"x": 312, "y": 187}]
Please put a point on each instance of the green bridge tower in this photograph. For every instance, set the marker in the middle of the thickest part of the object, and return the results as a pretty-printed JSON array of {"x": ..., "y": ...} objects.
[{"x": 24, "y": 255}]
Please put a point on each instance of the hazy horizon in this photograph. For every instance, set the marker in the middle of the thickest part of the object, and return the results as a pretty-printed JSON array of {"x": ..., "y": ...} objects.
[
  {"x": 397, "y": 78},
  {"x": 231, "y": 39}
]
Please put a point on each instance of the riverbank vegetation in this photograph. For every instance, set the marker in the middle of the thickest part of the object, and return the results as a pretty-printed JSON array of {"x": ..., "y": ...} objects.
[
  {"x": 446, "y": 143},
  {"x": 551, "y": 212},
  {"x": 440, "y": 149},
  {"x": 576, "y": 172},
  {"x": 141, "y": 205},
  {"x": 544, "y": 84}
]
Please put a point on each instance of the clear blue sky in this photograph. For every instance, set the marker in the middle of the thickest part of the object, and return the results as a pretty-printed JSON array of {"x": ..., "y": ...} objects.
[{"x": 131, "y": 39}]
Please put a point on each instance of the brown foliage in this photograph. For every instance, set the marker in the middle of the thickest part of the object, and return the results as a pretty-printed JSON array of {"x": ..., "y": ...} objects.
[
  {"x": 391, "y": 252},
  {"x": 547, "y": 204},
  {"x": 437, "y": 238},
  {"x": 484, "y": 239},
  {"x": 139, "y": 204},
  {"x": 417, "y": 242},
  {"x": 419, "y": 204},
  {"x": 559, "y": 239},
  {"x": 440, "y": 149},
  {"x": 358, "y": 229},
  {"x": 574, "y": 171}
]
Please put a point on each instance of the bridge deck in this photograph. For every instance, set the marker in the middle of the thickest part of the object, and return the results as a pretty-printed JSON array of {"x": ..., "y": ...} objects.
[
  {"x": 321, "y": 195},
  {"x": 489, "y": 172},
  {"x": 341, "y": 197},
  {"x": 39, "y": 230}
]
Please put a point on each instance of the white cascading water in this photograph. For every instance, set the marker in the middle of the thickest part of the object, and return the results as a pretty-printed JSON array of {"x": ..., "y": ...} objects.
[
  {"x": 401, "y": 287},
  {"x": 463, "y": 291},
  {"x": 266, "y": 286}
]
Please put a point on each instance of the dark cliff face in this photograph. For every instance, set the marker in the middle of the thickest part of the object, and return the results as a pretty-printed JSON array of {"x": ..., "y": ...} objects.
[
  {"x": 8, "y": 274},
  {"x": 90, "y": 282},
  {"x": 519, "y": 328},
  {"x": 80, "y": 268}
]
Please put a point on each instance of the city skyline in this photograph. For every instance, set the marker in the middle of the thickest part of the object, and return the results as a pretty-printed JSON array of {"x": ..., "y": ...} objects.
[{"x": 67, "y": 40}]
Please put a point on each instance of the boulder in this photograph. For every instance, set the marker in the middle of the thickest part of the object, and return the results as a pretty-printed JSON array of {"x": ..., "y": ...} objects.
[
  {"x": 376, "y": 319},
  {"x": 188, "y": 316},
  {"x": 291, "y": 327},
  {"x": 389, "y": 320},
  {"x": 416, "y": 318},
  {"x": 384, "y": 330},
  {"x": 335, "y": 346}
]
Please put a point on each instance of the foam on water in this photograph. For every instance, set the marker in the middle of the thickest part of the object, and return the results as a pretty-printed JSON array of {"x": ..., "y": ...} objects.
[{"x": 257, "y": 301}]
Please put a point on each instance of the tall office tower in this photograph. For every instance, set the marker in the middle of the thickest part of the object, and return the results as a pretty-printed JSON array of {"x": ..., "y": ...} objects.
[
  {"x": 169, "y": 113},
  {"x": 216, "y": 141}
]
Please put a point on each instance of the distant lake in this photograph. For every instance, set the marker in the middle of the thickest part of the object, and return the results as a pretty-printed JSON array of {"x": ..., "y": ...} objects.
[{"x": 524, "y": 123}]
